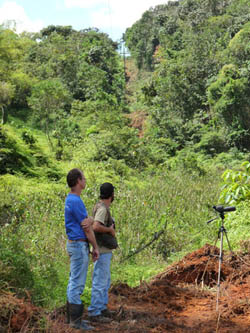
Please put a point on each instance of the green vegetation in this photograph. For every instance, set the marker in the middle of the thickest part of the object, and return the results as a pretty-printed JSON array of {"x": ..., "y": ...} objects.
[
  {"x": 174, "y": 140},
  {"x": 198, "y": 54},
  {"x": 33, "y": 238}
]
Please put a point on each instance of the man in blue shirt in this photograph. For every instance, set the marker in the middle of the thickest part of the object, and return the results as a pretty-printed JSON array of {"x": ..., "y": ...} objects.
[{"x": 80, "y": 233}]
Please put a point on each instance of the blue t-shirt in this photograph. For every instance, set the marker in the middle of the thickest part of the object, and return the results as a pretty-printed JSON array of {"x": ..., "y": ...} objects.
[{"x": 74, "y": 213}]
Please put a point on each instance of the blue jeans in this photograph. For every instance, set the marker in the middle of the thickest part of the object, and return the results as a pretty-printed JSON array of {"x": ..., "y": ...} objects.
[
  {"x": 79, "y": 260},
  {"x": 100, "y": 285}
]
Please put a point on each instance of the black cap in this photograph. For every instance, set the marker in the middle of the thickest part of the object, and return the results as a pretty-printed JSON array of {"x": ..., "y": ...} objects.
[{"x": 106, "y": 190}]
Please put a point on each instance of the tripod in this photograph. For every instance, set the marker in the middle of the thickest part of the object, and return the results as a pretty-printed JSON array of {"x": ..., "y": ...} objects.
[{"x": 222, "y": 231}]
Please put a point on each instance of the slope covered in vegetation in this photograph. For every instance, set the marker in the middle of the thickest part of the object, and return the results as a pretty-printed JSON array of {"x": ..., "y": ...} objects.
[
  {"x": 198, "y": 93},
  {"x": 165, "y": 133}
]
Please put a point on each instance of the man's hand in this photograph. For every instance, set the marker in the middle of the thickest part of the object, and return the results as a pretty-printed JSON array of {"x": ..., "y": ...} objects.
[
  {"x": 87, "y": 223},
  {"x": 89, "y": 232},
  {"x": 95, "y": 254},
  {"x": 112, "y": 230}
]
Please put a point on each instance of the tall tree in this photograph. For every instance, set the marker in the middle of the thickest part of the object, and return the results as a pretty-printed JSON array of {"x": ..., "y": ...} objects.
[{"x": 47, "y": 101}]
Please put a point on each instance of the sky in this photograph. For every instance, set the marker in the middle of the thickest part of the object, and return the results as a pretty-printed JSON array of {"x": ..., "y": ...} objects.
[{"x": 109, "y": 16}]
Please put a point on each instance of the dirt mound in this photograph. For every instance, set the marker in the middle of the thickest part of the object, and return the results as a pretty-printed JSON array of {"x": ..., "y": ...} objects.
[
  {"x": 183, "y": 298},
  {"x": 20, "y": 315},
  {"x": 200, "y": 266},
  {"x": 15, "y": 314}
]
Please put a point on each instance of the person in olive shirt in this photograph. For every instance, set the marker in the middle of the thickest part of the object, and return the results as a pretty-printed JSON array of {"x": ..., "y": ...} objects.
[
  {"x": 79, "y": 231},
  {"x": 103, "y": 223}
]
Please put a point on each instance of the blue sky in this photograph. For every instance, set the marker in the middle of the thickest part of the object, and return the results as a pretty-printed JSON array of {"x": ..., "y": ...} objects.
[{"x": 110, "y": 16}]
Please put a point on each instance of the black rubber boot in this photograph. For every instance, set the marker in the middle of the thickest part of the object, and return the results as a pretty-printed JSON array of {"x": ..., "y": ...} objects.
[
  {"x": 67, "y": 313},
  {"x": 75, "y": 317}
]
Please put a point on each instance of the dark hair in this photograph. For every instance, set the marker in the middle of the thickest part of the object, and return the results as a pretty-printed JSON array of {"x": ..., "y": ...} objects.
[
  {"x": 106, "y": 190},
  {"x": 73, "y": 176}
]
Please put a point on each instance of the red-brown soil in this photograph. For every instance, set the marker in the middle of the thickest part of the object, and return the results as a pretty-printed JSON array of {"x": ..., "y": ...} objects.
[
  {"x": 181, "y": 299},
  {"x": 137, "y": 120}
]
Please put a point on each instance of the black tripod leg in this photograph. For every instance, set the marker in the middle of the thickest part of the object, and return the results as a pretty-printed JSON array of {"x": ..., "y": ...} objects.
[{"x": 228, "y": 242}]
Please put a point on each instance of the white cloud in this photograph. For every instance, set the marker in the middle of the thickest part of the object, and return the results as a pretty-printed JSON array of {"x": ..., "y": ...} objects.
[
  {"x": 11, "y": 11},
  {"x": 82, "y": 3},
  {"x": 118, "y": 13}
]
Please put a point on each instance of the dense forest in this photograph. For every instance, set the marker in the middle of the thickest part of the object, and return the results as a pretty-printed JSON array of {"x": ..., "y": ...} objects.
[
  {"x": 198, "y": 94},
  {"x": 169, "y": 125}
]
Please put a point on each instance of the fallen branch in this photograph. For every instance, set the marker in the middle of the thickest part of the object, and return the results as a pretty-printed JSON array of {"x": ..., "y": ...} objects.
[{"x": 156, "y": 236}]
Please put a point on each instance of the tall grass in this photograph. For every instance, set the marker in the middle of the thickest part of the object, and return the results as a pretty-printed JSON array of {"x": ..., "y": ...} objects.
[
  {"x": 32, "y": 237},
  {"x": 178, "y": 203}
]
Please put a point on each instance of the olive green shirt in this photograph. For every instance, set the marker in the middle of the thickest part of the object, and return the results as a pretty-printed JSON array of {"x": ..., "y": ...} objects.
[{"x": 100, "y": 216}]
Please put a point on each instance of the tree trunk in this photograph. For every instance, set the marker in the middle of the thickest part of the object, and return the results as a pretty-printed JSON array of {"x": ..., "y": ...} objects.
[
  {"x": 4, "y": 116},
  {"x": 48, "y": 136}
]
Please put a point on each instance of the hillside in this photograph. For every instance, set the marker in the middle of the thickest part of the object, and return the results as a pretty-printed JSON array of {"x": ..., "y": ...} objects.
[
  {"x": 197, "y": 95},
  {"x": 171, "y": 133}
]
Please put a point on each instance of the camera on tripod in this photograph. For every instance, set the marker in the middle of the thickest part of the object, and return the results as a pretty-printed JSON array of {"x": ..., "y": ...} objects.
[
  {"x": 222, "y": 209},
  {"x": 222, "y": 231}
]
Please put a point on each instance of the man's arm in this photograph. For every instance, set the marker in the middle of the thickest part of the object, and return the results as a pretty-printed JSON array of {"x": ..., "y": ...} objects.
[
  {"x": 87, "y": 223},
  {"x": 99, "y": 227},
  {"x": 91, "y": 238},
  {"x": 88, "y": 229}
]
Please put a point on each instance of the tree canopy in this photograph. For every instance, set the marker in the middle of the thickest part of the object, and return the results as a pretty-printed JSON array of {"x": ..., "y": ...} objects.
[{"x": 198, "y": 54}]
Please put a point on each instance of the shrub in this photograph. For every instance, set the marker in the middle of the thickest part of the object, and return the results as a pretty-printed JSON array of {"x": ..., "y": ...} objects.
[
  {"x": 28, "y": 137},
  {"x": 236, "y": 186},
  {"x": 212, "y": 143}
]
